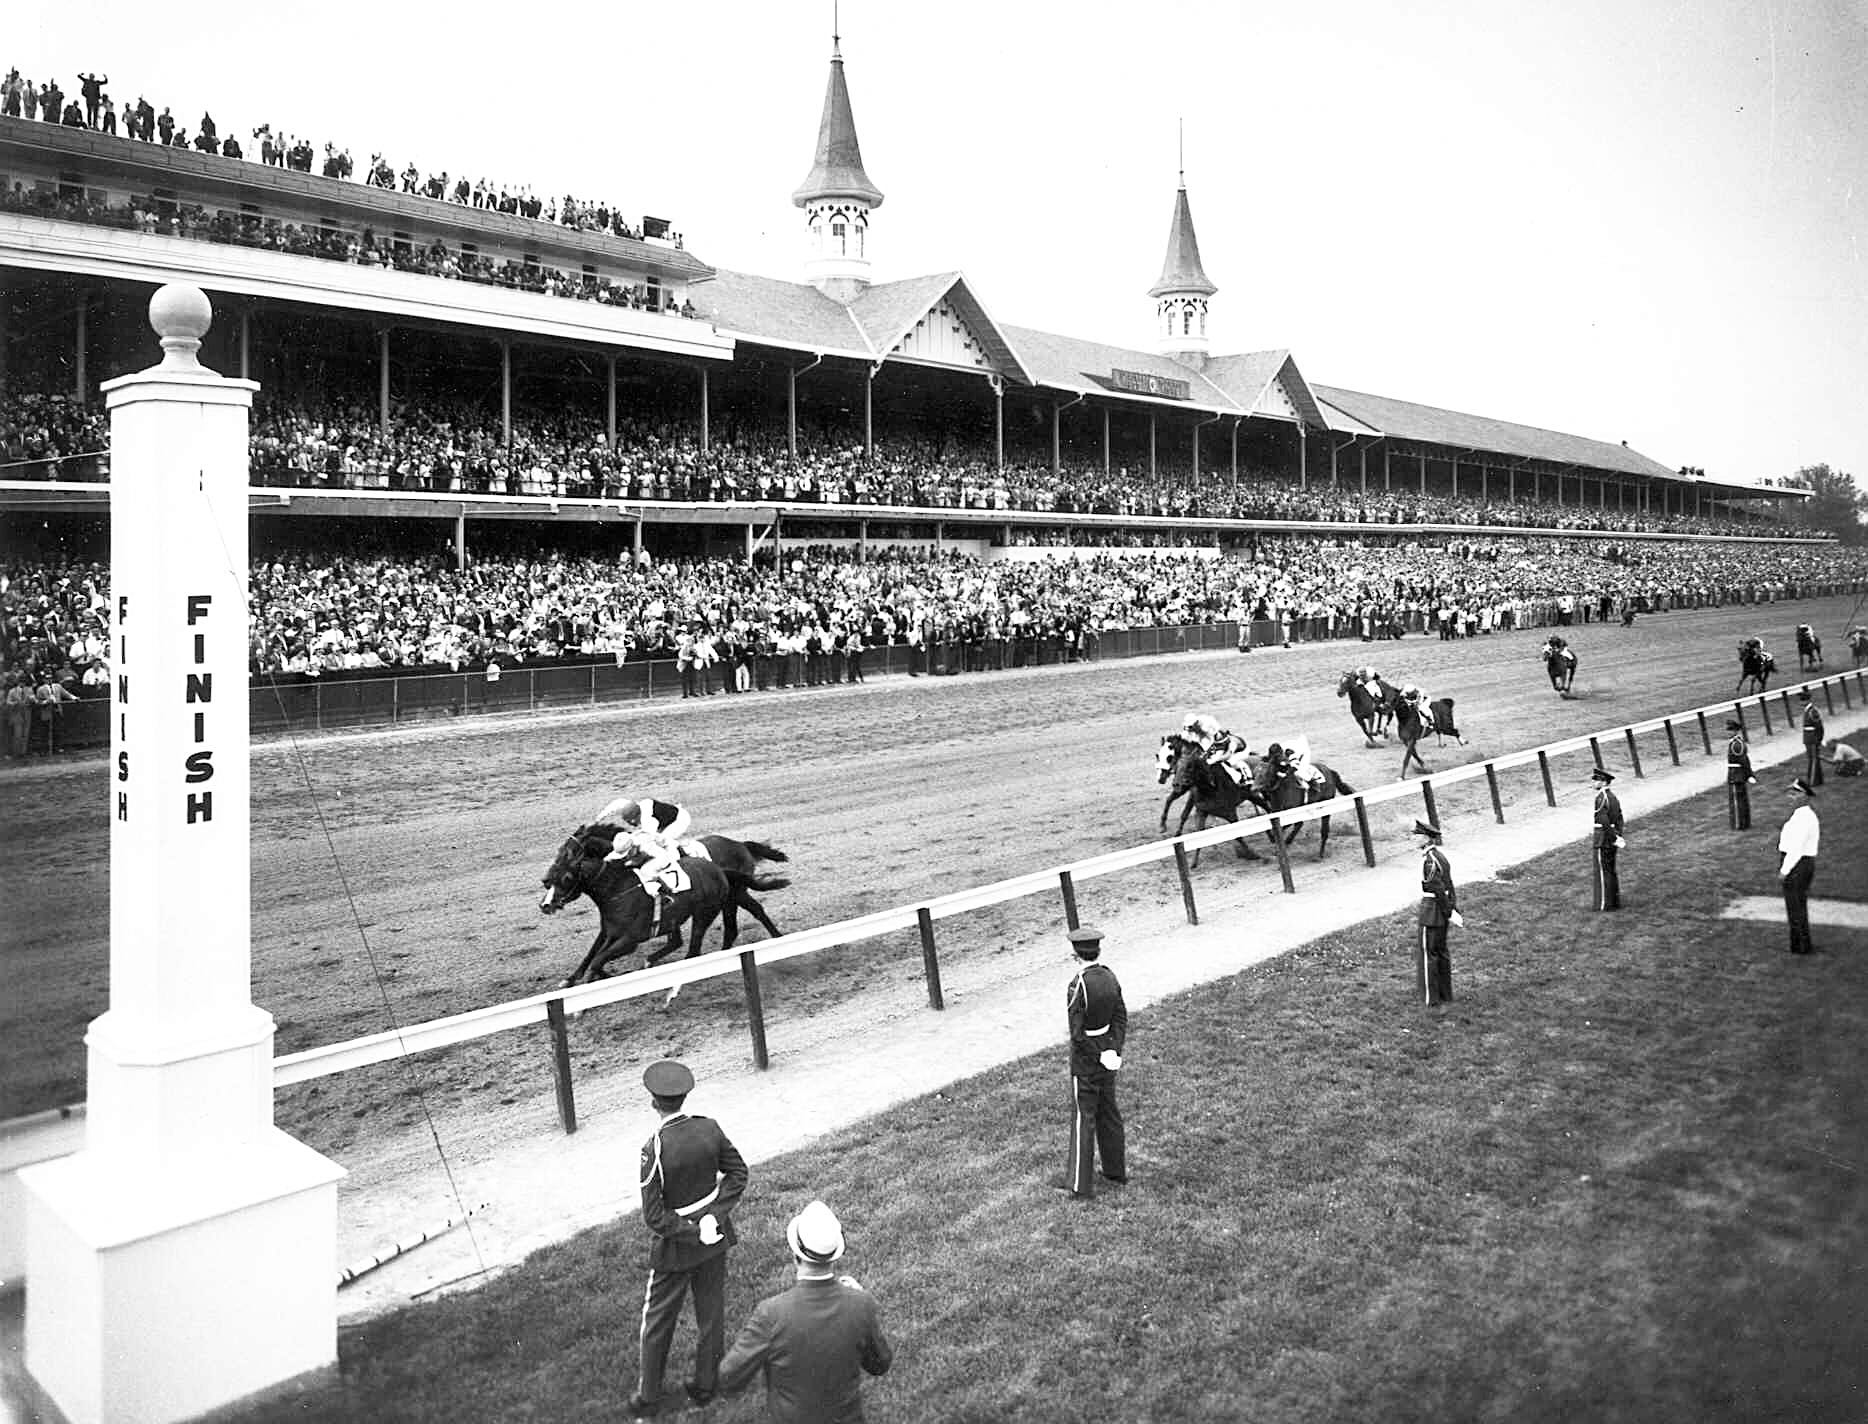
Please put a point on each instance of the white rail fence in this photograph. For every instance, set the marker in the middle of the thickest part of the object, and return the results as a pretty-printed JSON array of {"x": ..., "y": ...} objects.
[{"x": 54, "y": 1133}]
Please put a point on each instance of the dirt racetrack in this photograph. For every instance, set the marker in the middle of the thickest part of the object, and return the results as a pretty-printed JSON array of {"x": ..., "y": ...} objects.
[{"x": 426, "y": 845}]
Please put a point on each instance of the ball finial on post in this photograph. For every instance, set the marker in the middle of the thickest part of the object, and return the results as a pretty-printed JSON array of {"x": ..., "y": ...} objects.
[{"x": 181, "y": 315}]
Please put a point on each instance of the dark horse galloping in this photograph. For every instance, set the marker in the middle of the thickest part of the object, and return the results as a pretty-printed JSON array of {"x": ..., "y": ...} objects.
[
  {"x": 1560, "y": 662},
  {"x": 1809, "y": 648},
  {"x": 1411, "y": 725},
  {"x": 1210, "y": 793},
  {"x": 1372, "y": 712},
  {"x": 627, "y": 910},
  {"x": 1279, "y": 788},
  {"x": 1755, "y": 666}
]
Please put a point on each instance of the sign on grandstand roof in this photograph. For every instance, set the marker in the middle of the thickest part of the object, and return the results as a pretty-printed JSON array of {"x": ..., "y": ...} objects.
[{"x": 1144, "y": 384}]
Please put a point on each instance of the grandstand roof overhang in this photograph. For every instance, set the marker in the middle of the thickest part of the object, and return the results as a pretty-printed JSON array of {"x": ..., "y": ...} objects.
[
  {"x": 51, "y": 245},
  {"x": 873, "y": 329}
]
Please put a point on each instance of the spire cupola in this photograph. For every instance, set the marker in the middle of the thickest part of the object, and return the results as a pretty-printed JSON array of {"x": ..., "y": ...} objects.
[
  {"x": 837, "y": 196},
  {"x": 1182, "y": 290}
]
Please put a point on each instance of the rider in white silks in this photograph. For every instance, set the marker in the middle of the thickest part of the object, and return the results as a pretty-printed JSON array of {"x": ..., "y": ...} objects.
[
  {"x": 1199, "y": 728},
  {"x": 1370, "y": 679},
  {"x": 1294, "y": 753},
  {"x": 1416, "y": 699},
  {"x": 1225, "y": 750},
  {"x": 648, "y": 841}
]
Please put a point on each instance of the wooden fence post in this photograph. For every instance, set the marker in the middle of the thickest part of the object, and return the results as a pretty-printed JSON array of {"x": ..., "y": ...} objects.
[
  {"x": 1764, "y": 709},
  {"x": 1491, "y": 780},
  {"x": 1362, "y": 825},
  {"x": 1284, "y": 856},
  {"x": 1186, "y": 883},
  {"x": 1704, "y": 735},
  {"x": 755, "y": 1007},
  {"x": 1070, "y": 898},
  {"x": 1634, "y": 753},
  {"x": 561, "y": 1064},
  {"x": 1829, "y": 697},
  {"x": 1426, "y": 796},
  {"x": 1789, "y": 715},
  {"x": 1673, "y": 747},
  {"x": 929, "y": 961},
  {"x": 1543, "y": 765},
  {"x": 1596, "y": 752},
  {"x": 1847, "y": 700}
]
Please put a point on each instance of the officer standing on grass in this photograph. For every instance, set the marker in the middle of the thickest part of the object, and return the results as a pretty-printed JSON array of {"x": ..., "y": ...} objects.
[
  {"x": 1608, "y": 842},
  {"x": 1099, "y": 1026},
  {"x": 1738, "y": 777},
  {"x": 1439, "y": 907},
  {"x": 1812, "y": 740},
  {"x": 814, "y": 1343},
  {"x": 1798, "y": 843},
  {"x": 692, "y": 1178}
]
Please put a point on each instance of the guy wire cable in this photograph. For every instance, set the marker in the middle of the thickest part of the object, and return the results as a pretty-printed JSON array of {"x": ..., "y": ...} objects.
[{"x": 343, "y": 880}]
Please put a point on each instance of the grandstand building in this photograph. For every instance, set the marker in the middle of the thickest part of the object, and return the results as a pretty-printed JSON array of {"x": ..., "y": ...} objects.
[{"x": 602, "y": 372}]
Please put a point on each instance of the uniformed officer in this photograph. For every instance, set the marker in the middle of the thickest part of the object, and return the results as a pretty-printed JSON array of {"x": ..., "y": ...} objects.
[
  {"x": 1812, "y": 740},
  {"x": 1798, "y": 843},
  {"x": 1738, "y": 777},
  {"x": 1099, "y": 1026},
  {"x": 1608, "y": 842},
  {"x": 1439, "y": 907},
  {"x": 692, "y": 1178}
]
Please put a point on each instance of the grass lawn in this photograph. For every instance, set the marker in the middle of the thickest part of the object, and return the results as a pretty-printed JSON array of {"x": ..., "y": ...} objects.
[{"x": 1621, "y": 1177}]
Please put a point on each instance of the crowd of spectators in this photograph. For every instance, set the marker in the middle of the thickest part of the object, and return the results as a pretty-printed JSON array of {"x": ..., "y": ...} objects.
[
  {"x": 317, "y": 610},
  {"x": 48, "y": 437},
  {"x": 362, "y": 247},
  {"x": 22, "y": 98}
]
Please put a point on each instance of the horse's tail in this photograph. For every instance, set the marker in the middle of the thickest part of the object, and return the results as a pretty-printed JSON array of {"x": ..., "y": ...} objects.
[
  {"x": 761, "y": 851},
  {"x": 761, "y": 883},
  {"x": 1343, "y": 788}
]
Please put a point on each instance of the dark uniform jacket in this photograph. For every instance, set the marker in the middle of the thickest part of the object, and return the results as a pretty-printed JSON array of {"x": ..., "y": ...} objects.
[
  {"x": 1737, "y": 760},
  {"x": 1812, "y": 726},
  {"x": 1098, "y": 1018},
  {"x": 1608, "y": 818},
  {"x": 809, "y": 1343},
  {"x": 1438, "y": 898},
  {"x": 689, "y": 1169}
]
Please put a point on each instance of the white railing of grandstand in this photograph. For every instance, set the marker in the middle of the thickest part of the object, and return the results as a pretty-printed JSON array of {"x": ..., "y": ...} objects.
[{"x": 477, "y": 1023}]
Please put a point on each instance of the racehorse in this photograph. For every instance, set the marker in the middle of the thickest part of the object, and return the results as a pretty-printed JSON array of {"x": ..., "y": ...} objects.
[
  {"x": 1210, "y": 793},
  {"x": 1858, "y": 645},
  {"x": 1372, "y": 712},
  {"x": 627, "y": 909},
  {"x": 1411, "y": 725},
  {"x": 1754, "y": 666},
  {"x": 1809, "y": 648},
  {"x": 1560, "y": 663},
  {"x": 1278, "y": 787}
]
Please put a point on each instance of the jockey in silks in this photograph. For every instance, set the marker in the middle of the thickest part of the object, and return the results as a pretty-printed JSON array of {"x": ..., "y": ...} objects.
[
  {"x": 647, "y": 842},
  {"x": 1293, "y": 756},
  {"x": 1417, "y": 700},
  {"x": 1200, "y": 729},
  {"x": 1229, "y": 752},
  {"x": 1371, "y": 681}
]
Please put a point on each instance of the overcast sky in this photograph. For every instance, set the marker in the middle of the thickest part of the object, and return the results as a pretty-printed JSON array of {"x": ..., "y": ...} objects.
[{"x": 1630, "y": 220}]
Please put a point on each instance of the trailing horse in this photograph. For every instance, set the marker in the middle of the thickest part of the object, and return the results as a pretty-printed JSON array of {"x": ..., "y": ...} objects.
[
  {"x": 1809, "y": 648},
  {"x": 1210, "y": 793},
  {"x": 1372, "y": 711},
  {"x": 626, "y": 909},
  {"x": 1279, "y": 788},
  {"x": 1754, "y": 666},
  {"x": 1411, "y": 725},
  {"x": 1560, "y": 663}
]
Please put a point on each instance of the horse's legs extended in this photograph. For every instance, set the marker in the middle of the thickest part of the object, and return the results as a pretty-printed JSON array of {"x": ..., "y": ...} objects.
[
  {"x": 703, "y": 921},
  {"x": 1323, "y": 837},
  {"x": 588, "y": 963},
  {"x": 615, "y": 949},
  {"x": 758, "y": 913}
]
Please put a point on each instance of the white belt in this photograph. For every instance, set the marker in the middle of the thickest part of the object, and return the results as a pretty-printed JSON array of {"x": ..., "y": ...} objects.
[
  {"x": 705, "y": 1201},
  {"x": 1096, "y": 1032}
]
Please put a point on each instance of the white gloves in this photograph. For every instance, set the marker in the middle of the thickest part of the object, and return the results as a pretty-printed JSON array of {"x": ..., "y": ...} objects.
[
  {"x": 1620, "y": 844},
  {"x": 1456, "y": 918},
  {"x": 1751, "y": 781},
  {"x": 1111, "y": 1059},
  {"x": 709, "y": 1230}
]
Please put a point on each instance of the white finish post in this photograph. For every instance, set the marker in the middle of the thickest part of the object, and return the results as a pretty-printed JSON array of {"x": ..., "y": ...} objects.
[{"x": 185, "y": 1257}]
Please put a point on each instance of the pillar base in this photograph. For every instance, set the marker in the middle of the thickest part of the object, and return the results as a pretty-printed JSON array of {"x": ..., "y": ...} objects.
[{"x": 159, "y": 1293}]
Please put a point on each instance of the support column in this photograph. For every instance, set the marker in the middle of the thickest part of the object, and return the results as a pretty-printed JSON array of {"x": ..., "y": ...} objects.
[
  {"x": 382, "y": 380},
  {"x": 1235, "y": 454},
  {"x": 1455, "y": 476},
  {"x": 1151, "y": 447},
  {"x": 6, "y": 319},
  {"x": 1105, "y": 440},
  {"x": 460, "y": 542},
  {"x": 1057, "y": 437},
  {"x": 869, "y": 427},
  {"x": 79, "y": 348},
  {"x": 998, "y": 423},
  {"x": 1303, "y": 458},
  {"x": 1485, "y": 484},
  {"x": 1388, "y": 478},
  {"x": 183, "y": 1258},
  {"x": 246, "y": 343},
  {"x": 609, "y": 401},
  {"x": 748, "y": 543},
  {"x": 862, "y": 541},
  {"x": 635, "y": 541},
  {"x": 1333, "y": 448},
  {"x": 791, "y": 410},
  {"x": 505, "y": 392},
  {"x": 1423, "y": 473},
  {"x": 706, "y": 441},
  {"x": 1365, "y": 472},
  {"x": 1511, "y": 490}
]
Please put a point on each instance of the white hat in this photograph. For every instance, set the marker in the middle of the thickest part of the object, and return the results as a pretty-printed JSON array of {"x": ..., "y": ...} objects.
[{"x": 815, "y": 1235}]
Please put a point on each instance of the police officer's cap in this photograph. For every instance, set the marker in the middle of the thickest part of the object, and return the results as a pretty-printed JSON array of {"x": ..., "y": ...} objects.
[
  {"x": 666, "y": 1078},
  {"x": 1800, "y": 787},
  {"x": 1601, "y": 774},
  {"x": 1732, "y": 725},
  {"x": 1429, "y": 829},
  {"x": 1086, "y": 940},
  {"x": 1804, "y": 696}
]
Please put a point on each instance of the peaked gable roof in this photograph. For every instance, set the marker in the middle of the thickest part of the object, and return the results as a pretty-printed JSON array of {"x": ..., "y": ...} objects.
[
  {"x": 887, "y": 311},
  {"x": 837, "y": 169},
  {"x": 1181, "y": 271},
  {"x": 1431, "y": 425},
  {"x": 1249, "y": 376}
]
